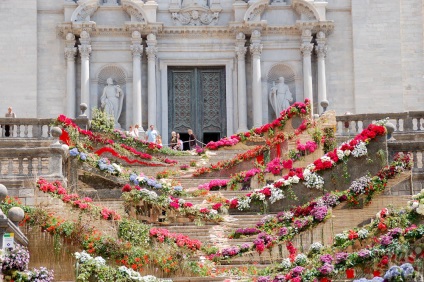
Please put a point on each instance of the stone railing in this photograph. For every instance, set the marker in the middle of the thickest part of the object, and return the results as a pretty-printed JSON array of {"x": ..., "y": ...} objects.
[
  {"x": 26, "y": 127},
  {"x": 415, "y": 147},
  {"x": 24, "y": 163},
  {"x": 403, "y": 122}
]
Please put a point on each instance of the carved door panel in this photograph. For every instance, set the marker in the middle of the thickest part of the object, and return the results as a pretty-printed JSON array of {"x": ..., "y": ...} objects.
[{"x": 197, "y": 101}]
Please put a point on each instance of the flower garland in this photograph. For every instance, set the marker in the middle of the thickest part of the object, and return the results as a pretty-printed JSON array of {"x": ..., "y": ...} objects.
[
  {"x": 124, "y": 158},
  {"x": 162, "y": 234},
  {"x": 57, "y": 190}
]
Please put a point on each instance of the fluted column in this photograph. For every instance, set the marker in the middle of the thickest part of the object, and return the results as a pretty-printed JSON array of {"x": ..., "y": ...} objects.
[
  {"x": 137, "y": 51},
  {"x": 256, "y": 50},
  {"x": 241, "y": 82},
  {"x": 321, "y": 50},
  {"x": 70, "y": 52},
  {"x": 151, "y": 51},
  {"x": 306, "y": 48},
  {"x": 85, "y": 50}
]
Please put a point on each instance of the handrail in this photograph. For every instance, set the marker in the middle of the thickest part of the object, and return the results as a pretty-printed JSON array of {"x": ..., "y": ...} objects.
[
  {"x": 26, "y": 127},
  {"x": 404, "y": 122}
]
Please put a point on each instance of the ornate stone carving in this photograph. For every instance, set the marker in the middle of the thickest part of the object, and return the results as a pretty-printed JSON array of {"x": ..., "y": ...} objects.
[
  {"x": 306, "y": 48},
  {"x": 195, "y": 16},
  {"x": 255, "y": 11},
  {"x": 321, "y": 50},
  {"x": 133, "y": 8},
  {"x": 256, "y": 49},
  {"x": 306, "y": 9},
  {"x": 84, "y": 50},
  {"x": 151, "y": 52},
  {"x": 136, "y": 49},
  {"x": 85, "y": 10},
  {"x": 240, "y": 51},
  {"x": 70, "y": 53}
]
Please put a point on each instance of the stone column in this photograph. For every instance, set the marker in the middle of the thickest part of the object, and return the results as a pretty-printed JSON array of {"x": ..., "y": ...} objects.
[
  {"x": 137, "y": 51},
  {"x": 256, "y": 50},
  {"x": 151, "y": 51},
  {"x": 241, "y": 82},
  {"x": 70, "y": 52},
  {"x": 321, "y": 50},
  {"x": 306, "y": 48},
  {"x": 85, "y": 50}
]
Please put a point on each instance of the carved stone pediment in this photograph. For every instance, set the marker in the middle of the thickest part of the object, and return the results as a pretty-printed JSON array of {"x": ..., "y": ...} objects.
[{"x": 194, "y": 12}]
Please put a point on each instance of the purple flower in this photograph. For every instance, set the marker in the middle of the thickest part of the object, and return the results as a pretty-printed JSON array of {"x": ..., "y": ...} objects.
[
  {"x": 364, "y": 253},
  {"x": 341, "y": 257},
  {"x": 279, "y": 278},
  {"x": 330, "y": 200},
  {"x": 319, "y": 212},
  {"x": 244, "y": 247},
  {"x": 283, "y": 231},
  {"x": 385, "y": 240},
  {"x": 395, "y": 232},
  {"x": 297, "y": 270},
  {"x": 264, "y": 279},
  {"x": 326, "y": 258},
  {"x": 326, "y": 269}
]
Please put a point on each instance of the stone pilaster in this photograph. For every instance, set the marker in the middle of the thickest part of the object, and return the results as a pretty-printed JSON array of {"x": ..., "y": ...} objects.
[
  {"x": 85, "y": 50},
  {"x": 256, "y": 50},
  {"x": 137, "y": 51},
  {"x": 321, "y": 50},
  {"x": 70, "y": 52},
  {"x": 151, "y": 51},
  {"x": 306, "y": 48},
  {"x": 241, "y": 50}
]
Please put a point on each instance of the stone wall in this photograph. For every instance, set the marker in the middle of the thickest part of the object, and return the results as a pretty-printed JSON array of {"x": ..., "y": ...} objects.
[{"x": 18, "y": 57}]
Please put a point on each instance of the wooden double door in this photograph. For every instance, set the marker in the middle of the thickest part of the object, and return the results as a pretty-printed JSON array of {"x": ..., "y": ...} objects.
[{"x": 197, "y": 101}]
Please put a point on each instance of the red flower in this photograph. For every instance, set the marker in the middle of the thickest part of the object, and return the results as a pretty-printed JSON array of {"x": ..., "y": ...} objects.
[{"x": 127, "y": 188}]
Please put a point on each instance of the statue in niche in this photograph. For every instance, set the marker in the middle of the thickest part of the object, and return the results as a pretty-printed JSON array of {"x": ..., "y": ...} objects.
[
  {"x": 112, "y": 100},
  {"x": 280, "y": 96}
]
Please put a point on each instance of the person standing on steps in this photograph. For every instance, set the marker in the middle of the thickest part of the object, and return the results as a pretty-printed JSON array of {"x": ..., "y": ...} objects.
[
  {"x": 191, "y": 139},
  {"x": 9, "y": 128},
  {"x": 151, "y": 134}
]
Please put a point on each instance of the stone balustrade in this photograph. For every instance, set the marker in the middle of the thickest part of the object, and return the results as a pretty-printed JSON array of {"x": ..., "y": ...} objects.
[
  {"x": 415, "y": 147},
  {"x": 26, "y": 127},
  {"x": 404, "y": 122},
  {"x": 21, "y": 163}
]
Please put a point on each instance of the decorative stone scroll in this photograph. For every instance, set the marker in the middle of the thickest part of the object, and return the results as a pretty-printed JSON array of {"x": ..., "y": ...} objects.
[
  {"x": 85, "y": 10},
  {"x": 195, "y": 14},
  {"x": 255, "y": 11}
]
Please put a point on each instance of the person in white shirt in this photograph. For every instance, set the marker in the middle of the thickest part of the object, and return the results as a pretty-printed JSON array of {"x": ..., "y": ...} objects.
[{"x": 151, "y": 134}]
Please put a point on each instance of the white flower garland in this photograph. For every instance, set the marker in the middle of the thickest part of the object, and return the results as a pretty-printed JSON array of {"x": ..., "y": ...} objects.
[{"x": 360, "y": 150}]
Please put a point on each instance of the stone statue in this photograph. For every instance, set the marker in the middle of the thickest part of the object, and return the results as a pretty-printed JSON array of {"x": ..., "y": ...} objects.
[
  {"x": 280, "y": 96},
  {"x": 112, "y": 100}
]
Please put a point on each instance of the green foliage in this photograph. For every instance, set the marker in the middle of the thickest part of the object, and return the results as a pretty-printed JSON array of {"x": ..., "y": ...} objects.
[
  {"x": 329, "y": 140},
  {"x": 102, "y": 122},
  {"x": 134, "y": 232}
]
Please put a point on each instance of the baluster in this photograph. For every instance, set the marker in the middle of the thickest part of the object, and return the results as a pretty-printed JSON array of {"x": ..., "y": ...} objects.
[
  {"x": 419, "y": 124},
  {"x": 18, "y": 131},
  {"x": 30, "y": 167},
  {"x": 356, "y": 126},
  {"x": 26, "y": 131},
  {"x": 397, "y": 125},
  {"x": 422, "y": 160},
  {"x": 20, "y": 166},
  {"x": 40, "y": 166},
  {"x": 10, "y": 167},
  {"x": 414, "y": 157},
  {"x": 0, "y": 166},
  {"x": 48, "y": 131}
]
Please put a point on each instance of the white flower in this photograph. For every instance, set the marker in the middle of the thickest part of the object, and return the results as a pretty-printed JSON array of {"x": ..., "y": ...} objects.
[
  {"x": 340, "y": 154},
  {"x": 341, "y": 236},
  {"x": 117, "y": 167},
  {"x": 314, "y": 181},
  {"x": 347, "y": 153},
  {"x": 360, "y": 150},
  {"x": 301, "y": 259},
  {"x": 100, "y": 261},
  {"x": 363, "y": 233},
  {"x": 243, "y": 203},
  {"x": 306, "y": 173},
  {"x": 213, "y": 212},
  {"x": 315, "y": 247},
  {"x": 325, "y": 159},
  {"x": 294, "y": 179},
  {"x": 420, "y": 210},
  {"x": 83, "y": 256},
  {"x": 276, "y": 195},
  {"x": 286, "y": 264},
  {"x": 413, "y": 204}
]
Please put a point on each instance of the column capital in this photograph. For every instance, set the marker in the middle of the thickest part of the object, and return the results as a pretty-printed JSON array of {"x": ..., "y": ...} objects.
[
  {"x": 240, "y": 51},
  {"x": 321, "y": 50},
  {"x": 70, "y": 53},
  {"x": 151, "y": 52},
  {"x": 85, "y": 37},
  {"x": 136, "y": 50},
  {"x": 256, "y": 49},
  {"x": 136, "y": 37},
  {"x": 85, "y": 50},
  {"x": 306, "y": 48}
]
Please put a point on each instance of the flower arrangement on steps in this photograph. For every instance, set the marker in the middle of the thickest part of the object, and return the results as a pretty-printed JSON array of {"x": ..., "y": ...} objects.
[
  {"x": 14, "y": 267},
  {"x": 120, "y": 148},
  {"x": 297, "y": 109},
  {"x": 136, "y": 245},
  {"x": 287, "y": 224},
  {"x": 377, "y": 249}
]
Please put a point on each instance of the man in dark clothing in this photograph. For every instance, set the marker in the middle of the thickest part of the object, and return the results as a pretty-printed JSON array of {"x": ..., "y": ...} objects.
[{"x": 191, "y": 139}]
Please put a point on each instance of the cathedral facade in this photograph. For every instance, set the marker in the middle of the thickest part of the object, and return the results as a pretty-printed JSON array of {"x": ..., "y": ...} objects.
[{"x": 210, "y": 65}]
